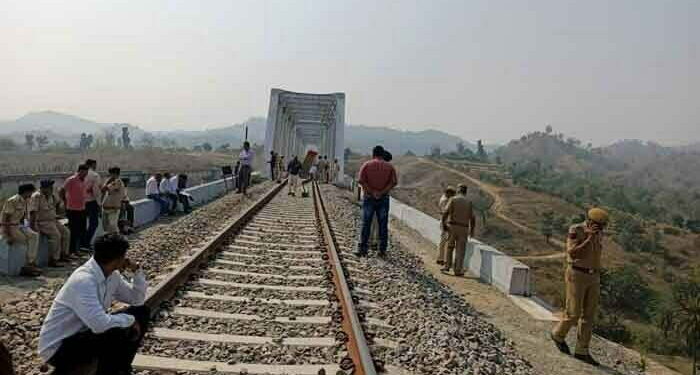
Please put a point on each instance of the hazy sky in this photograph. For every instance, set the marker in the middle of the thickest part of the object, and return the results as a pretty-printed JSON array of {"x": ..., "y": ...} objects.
[{"x": 598, "y": 70}]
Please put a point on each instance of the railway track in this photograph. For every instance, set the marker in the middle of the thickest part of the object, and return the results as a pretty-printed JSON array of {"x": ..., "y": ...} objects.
[{"x": 269, "y": 295}]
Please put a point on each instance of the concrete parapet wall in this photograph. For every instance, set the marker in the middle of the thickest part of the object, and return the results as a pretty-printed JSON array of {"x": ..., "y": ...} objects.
[
  {"x": 12, "y": 258},
  {"x": 492, "y": 266}
]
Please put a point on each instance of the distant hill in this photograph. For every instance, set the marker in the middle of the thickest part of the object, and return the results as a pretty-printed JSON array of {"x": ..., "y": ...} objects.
[
  {"x": 55, "y": 122},
  {"x": 232, "y": 135},
  {"x": 362, "y": 138},
  {"x": 656, "y": 181}
]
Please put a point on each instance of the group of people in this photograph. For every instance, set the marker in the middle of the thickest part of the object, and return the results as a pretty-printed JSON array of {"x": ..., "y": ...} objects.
[
  {"x": 168, "y": 190},
  {"x": 458, "y": 224},
  {"x": 84, "y": 199},
  {"x": 324, "y": 171}
]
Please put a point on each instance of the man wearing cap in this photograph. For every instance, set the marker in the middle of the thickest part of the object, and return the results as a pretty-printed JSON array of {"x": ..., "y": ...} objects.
[
  {"x": 14, "y": 228},
  {"x": 458, "y": 220},
  {"x": 43, "y": 219},
  {"x": 582, "y": 277},
  {"x": 444, "y": 200},
  {"x": 114, "y": 193}
]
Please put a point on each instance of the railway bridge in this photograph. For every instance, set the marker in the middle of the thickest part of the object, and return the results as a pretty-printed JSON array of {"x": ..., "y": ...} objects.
[{"x": 297, "y": 122}]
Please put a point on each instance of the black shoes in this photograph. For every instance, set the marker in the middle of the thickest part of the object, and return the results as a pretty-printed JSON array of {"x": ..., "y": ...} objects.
[
  {"x": 587, "y": 358},
  {"x": 360, "y": 254},
  {"x": 562, "y": 346}
]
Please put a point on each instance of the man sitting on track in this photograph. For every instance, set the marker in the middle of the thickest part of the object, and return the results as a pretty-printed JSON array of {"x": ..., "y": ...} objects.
[{"x": 85, "y": 329}]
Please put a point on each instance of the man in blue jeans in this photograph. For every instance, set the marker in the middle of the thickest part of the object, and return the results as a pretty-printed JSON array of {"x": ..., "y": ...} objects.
[{"x": 377, "y": 177}]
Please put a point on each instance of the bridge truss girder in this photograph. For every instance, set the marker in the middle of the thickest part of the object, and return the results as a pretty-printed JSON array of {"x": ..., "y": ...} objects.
[{"x": 297, "y": 122}]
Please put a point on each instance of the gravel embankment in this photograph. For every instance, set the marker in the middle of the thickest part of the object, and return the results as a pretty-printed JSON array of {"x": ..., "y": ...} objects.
[
  {"x": 157, "y": 248},
  {"x": 436, "y": 330}
]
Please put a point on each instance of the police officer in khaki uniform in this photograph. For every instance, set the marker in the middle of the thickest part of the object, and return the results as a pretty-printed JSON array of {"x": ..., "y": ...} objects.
[
  {"x": 458, "y": 220},
  {"x": 14, "y": 229},
  {"x": 445, "y": 235},
  {"x": 44, "y": 220},
  {"x": 583, "y": 248}
]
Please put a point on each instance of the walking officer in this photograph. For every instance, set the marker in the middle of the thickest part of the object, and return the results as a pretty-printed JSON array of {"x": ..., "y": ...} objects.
[
  {"x": 582, "y": 277},
  {"x": 42, "y": 219},
  {"x": 13, "y": 226},
  {"x": 458, "y": 220}
]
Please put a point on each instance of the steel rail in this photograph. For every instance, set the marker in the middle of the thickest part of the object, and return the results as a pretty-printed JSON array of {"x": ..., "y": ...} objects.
[
  {"x": 165, "y": 290},
  {"x": 358, "y": 349}
]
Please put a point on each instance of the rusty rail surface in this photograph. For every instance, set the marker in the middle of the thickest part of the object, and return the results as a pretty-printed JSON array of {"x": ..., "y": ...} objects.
[
  {"x": 166, "y": 288},
  {"x": 358, "y": 349}
]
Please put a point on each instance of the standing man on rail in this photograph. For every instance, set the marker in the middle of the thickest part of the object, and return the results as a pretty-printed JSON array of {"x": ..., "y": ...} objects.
[
  {"x": 459, "y": 221},
  {"x": 93, "y": 186},
  {"x": 294, "y": 168},
  {"x": 43, "y": 219},
  {"x": 583, "y": 254},
  {"x": 14, "y": 226},
  {"x": 246, "y": 158},
  {"x": 377, "y": 177},
  {"x": 273, "y": 166},
  {"x": 89, "y": 324},
  {"x": 322, "y": 169}
]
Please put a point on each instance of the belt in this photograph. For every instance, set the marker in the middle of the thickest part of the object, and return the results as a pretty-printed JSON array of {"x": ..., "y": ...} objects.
[
  {"x": 455, "y": 223},
  {"x": 589, "y": 271}
]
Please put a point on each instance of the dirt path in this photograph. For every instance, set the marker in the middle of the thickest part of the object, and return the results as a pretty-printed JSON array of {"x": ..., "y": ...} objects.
[{"x": 499, "y": 209}]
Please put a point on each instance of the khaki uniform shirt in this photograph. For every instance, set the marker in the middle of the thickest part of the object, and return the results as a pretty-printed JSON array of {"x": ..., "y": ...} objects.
[
  {"x": 459, "y": 211},
  {"x": 44, "y": 207},
  {"x": 16, "y": 208},
  {"x": 115, "y": 194},
  {"x": 588, "y": 256}
]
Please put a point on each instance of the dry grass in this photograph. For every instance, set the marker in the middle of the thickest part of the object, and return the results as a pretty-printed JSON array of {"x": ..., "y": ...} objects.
[{"x": 140, "y": 159}]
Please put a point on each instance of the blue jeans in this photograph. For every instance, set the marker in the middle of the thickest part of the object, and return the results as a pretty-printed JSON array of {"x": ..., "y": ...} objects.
[
  {"x": 92, "y": 210},
  {"x": 164, "y": 205},
  {"x": 370, "y": 207}
]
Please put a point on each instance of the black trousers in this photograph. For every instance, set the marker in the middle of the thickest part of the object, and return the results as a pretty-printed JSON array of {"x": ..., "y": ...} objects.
[
  {"x": 77, "y": 224},
  {"x": 5, "y": 361},
  {"x": 114, "y": 350},
  {"x": 185, "y": 201},
  {"x": 92, "y": 210}
]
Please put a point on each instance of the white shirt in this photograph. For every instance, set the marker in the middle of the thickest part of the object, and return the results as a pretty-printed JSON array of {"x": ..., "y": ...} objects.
[
  {"x": 246, "y": 157},
  {"x": 152, "y": 186},
  {"x": 174, "y": 184},
  {"x": 93, "y": 184},
  {"x": 443, "y": 203},
  {"x": 165, "y": 186},
  {"x": 82, "y": 304}
]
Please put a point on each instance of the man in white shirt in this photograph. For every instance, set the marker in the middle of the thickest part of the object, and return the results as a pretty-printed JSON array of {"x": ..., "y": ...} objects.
[
  {"x": 168, "y": 192},
  {"x": 85, "y": 329},
  {"x": 153, "y": 192},
  {"x": 93, "y": 197},
  {"x": 246, "y": 158},
  {"x": 444, "y": 200}
]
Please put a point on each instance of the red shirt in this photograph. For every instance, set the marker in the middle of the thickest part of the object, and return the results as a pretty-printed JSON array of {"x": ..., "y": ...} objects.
[
  {"x": 76, "y": 193},
  {"x": 377, "y": 175}
]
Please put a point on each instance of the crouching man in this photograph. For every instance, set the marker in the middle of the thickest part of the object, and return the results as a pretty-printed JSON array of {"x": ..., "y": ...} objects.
[{"x": 84, "y": 332}]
